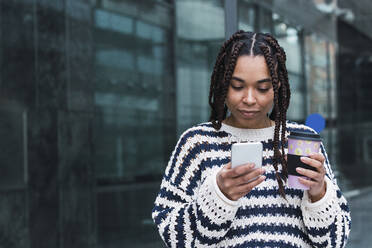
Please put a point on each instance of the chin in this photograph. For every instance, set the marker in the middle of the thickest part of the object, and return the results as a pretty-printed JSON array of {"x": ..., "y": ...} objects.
[{"x": 249, "y": 122}]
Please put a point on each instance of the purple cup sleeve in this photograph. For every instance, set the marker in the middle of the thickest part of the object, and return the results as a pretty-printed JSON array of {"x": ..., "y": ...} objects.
[{"x": 294, "y": 183}]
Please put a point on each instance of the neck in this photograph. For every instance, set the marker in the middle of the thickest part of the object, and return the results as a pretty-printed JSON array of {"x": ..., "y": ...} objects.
[{"x": 266, "y": 122}]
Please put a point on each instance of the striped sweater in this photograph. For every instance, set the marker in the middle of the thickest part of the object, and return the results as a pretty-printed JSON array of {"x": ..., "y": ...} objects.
[{"x": 191, "y": 211}]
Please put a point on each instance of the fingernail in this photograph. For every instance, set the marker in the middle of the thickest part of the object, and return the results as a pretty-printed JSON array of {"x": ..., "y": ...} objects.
[
  {"x": 251, "y": 166},
  {"x": 304, "y": 158},
  {"x": 299, "y": 169},
  {"x": 263, "y": 177}
]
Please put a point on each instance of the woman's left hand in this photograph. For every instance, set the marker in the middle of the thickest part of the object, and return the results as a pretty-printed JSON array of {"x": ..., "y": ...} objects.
[{"x": 315, "y": 181}]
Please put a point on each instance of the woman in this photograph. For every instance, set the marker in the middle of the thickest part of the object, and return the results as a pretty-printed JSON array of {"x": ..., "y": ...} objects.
[{"x": 203, "y": 202}]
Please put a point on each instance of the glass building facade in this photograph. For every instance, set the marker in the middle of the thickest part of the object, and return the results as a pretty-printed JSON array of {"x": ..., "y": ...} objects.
[{"x": 95, "y": 93}]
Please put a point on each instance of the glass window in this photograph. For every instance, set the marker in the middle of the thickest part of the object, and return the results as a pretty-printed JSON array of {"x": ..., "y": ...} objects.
[
  {"x": 197, "y": 45},
  {"x": 13, "y": 142},
  {"x": 124, "y": 216},
  {"x": 320, "y": 76},
  {"x": 141, "y": 66},
  {"x": 246, "y": 16},
  {"x": 265, "y": 21},
  {"x": 290, "y": 41},
  {"x": 94, "y": 94},
  {"x": 111, "y": 21},
  {"x": 297, "y": 106},
  {"x": 135, "y": 123}
]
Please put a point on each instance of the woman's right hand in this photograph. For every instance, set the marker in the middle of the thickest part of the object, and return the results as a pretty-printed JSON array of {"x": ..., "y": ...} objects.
[{"x": 236, "y": 182}]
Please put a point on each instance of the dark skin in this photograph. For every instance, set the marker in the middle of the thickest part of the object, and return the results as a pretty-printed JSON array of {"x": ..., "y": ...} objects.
[
  {"x": 251, "y": 90},
  {"x": 316, "y": 183},
  {"x": 233, "y": 182}
]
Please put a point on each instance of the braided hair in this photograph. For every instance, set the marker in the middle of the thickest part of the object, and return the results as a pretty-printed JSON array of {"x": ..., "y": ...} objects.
[{"x": 254, "y": 44}]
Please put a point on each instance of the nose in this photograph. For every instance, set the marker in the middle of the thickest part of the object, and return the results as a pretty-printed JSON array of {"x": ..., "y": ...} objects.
[{"x": 249, "y": 97}]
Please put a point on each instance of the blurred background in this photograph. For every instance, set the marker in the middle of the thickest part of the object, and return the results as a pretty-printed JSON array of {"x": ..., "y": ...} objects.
[{"x": 95, "y": 93}]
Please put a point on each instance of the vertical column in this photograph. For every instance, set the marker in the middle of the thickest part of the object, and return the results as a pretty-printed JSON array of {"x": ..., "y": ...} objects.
[
  {"x": 48, "y": 96},
  {"x": 231, "y": 17},
  {"x": 169, "y": 87},
  {"x": 75, "y": 141}
]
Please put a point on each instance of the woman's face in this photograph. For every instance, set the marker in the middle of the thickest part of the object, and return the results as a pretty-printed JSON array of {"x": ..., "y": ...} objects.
[{"x": 250, "y": 94}]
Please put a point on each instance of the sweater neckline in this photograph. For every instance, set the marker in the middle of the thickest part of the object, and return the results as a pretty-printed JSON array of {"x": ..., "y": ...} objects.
[{"x": 249, "y": 134}]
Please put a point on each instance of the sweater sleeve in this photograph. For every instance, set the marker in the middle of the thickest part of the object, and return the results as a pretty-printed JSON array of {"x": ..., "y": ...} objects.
[
  {"x": 328, "y": 220},
  {"x": 188, "y": 211}
]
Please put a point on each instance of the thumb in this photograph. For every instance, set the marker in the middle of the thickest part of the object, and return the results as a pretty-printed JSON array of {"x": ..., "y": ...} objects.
[{"x": 227, "y": 166}]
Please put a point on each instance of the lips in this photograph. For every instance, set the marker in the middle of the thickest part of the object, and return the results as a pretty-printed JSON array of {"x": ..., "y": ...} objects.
[{"x": 249, "y": 113}]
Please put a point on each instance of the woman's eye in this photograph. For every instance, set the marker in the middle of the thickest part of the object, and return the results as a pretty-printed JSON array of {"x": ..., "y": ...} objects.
[
  {"x": 236, "y": 87},
  {"x": 264, "y": 90}
]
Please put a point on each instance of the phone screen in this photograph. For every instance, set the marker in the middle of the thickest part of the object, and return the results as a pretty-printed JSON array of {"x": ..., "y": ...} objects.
[{"x": 243, "y": 153}]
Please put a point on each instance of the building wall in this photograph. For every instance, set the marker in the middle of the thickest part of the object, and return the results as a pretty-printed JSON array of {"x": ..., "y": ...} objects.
[
  {"x": 95, "y": 93},
  {"x": 354, "y": 100}
]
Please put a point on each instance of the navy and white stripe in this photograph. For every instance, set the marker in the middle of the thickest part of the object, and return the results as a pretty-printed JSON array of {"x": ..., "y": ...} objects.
[{"x": 190, "y": 210}]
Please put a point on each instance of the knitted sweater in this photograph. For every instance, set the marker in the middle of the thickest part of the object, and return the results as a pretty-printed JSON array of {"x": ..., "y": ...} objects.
[{"x": 191, "y": 211}]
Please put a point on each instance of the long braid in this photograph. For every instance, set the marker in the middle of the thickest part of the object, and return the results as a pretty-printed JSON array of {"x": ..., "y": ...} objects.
[
  {"x": 220, "y": 59},
  {"x": 278, "y": 119},
  {"x": 284, "y": 104},
  {"x": 283, "y": 139},
  {"x": 218, "y": 109},
  {"x": 227, "y": 79},
  {"x": 283, "y": 77},
  {"x": 283, "y": 73},
  {"x": 285, "y": 94},
  {"x": 214, "y": 86}
]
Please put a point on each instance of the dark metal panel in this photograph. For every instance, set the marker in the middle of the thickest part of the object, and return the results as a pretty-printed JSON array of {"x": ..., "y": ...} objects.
[{"x": 231, "y": 17}]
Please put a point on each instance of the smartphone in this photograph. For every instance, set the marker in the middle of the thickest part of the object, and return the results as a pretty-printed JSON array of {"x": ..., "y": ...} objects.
[{"x": 244, "y": 153}]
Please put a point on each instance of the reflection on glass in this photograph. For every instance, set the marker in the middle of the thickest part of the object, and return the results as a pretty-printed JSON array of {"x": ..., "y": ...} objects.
[
  {"x": 246, "y": 16},
  {"x": 296, "y": 110},
  {"x": 265, "y": 21},
  {"x": 291, "y": 44},
  {"x": 198, "y": 39},
  {"x": 135, "y": 105},
  {"x": 152, "y": 62},
  {"x": 13, "y": 142},
  {"x": 320, "y": 76},
  {"x": 289, "y": 39},
  {"x": 111, "y": 21},
  {"x": 129, "y": 77}
]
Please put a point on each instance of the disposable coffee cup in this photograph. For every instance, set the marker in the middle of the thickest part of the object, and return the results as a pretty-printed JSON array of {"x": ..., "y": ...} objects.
[{"x": 300, "y": 144}]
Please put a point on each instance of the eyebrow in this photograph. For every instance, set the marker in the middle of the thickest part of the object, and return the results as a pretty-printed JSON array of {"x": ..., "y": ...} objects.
[{"x": 259, "y": 81}]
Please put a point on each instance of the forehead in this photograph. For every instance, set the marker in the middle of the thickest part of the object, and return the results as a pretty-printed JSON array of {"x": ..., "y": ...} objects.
[{"x": 251, "y": 68}]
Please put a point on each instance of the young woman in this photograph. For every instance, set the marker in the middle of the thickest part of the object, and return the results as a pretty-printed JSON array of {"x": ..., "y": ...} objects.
[{"x": 203, "y": 202}]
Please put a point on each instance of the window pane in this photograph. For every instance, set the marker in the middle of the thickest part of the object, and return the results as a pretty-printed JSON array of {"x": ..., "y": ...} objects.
[
  {"x": 246, "y": 16},
  {"x": 124, "y": 217},
  {"x": 198, "y": 42},
  {"x": 132, "y": 68},
  {"x": 320, "y": 76},
  {"x": 291, "y": 44},
  {"x": 296, "y": 110},
  {"x": 13, "y": 155},
  {"x": 135, "y": 123}
]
